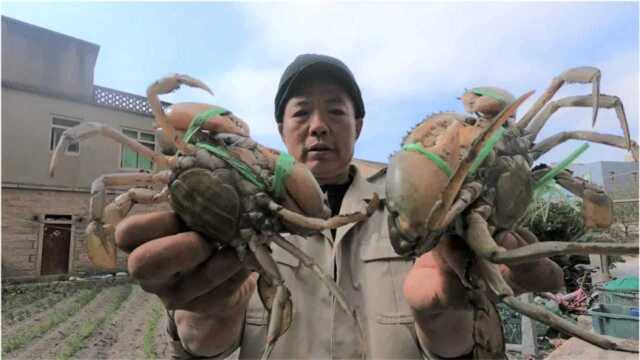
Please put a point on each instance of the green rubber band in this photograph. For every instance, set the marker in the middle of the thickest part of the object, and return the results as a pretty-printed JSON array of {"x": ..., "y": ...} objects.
[
  {"x": 441, "y": 164},
  {"x": 486, "y": 149},
  {"x": 242, "y": 168},
  {"x": 489, "y": 93},
  {"x": 284, "y": 165},
  {"x": 561, "y": 166},
  {"x": 199, "y": 120}
]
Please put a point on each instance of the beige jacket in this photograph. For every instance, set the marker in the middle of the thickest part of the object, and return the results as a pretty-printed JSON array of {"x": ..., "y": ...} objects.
[{"x": 370, "y": 274}]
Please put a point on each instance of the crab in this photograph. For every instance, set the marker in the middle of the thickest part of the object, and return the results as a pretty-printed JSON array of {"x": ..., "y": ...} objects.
[
  {"x": 226, "y": 186},
  {"x": 472, "y": 178}
]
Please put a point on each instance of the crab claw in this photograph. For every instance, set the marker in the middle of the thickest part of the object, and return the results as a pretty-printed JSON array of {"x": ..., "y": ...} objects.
[
  {"x": 486, "y": 100},
  {"x": 166, "y": 85},
  {"x": 585, "y": 75},
  {"x": 172, "y": 82},
  {"x": 101, "y": 245}
]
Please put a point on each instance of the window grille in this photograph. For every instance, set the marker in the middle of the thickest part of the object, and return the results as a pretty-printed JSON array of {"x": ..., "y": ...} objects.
[
  {"x": 131, "y": 159},
  {"x": 58, "y": 126}
]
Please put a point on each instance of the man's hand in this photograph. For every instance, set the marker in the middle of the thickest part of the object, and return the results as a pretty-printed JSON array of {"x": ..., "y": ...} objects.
[
  {"x": 435, "y": 293},
  {"x": 208, "y": 289}
]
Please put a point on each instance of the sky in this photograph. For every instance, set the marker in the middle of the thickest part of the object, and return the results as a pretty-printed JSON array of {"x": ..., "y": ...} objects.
[{"x": 411, "y": 59}]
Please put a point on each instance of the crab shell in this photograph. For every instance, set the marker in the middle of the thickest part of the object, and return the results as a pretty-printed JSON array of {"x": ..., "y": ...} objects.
[
  {"x": 415, "y": 184},
  {"x": 303, "y": 194}
]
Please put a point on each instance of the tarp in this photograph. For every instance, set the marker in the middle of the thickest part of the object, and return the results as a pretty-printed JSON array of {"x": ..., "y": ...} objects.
[{"x": 625, "y": 284}]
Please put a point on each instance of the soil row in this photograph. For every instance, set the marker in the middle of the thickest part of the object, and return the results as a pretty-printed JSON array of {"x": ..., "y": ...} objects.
[{"x": 95, "y": 322}]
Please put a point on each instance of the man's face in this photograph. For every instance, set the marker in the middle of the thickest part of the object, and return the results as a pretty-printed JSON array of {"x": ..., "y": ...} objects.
[{"x": 319, "y": 129}]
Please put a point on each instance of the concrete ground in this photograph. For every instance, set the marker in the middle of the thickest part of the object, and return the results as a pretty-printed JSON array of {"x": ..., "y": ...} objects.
[
  {"x": 627, "y": 268},
  {"x": 575, "y": 348}
]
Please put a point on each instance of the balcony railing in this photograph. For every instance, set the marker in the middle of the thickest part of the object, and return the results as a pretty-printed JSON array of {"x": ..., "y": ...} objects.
[
  {"x": 120, "y": 100},
  {"x": 102, "y": 96}
]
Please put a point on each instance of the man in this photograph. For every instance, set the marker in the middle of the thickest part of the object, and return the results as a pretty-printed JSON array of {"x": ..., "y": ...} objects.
[{"x": 408, "y": 309}]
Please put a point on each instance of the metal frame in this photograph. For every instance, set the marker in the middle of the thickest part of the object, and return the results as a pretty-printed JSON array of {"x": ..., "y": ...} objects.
[
  {"x": 529, "y": 334},
  {"x": 155, "y": 145},
  {"x": 62, "y": 117},
  {"x": 43, "y": 222}
]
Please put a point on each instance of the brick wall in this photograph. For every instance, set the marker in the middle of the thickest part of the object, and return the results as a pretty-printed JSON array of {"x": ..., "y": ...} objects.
[
  {"x": 22, "y": 223},
  {"x": 23, "y": 212}
]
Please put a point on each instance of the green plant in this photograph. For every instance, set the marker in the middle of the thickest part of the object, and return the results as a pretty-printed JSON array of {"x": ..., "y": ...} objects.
[
  {"x": 553, "y": 215},
  {"x": 74, "y": 343},
  {"x": 24, "y": 337},
  {"x": 150, "y": 331}
]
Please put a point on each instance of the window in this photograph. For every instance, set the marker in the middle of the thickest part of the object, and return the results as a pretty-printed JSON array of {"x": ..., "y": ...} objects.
[
  {"x": 131, "y": 159},
  {"x": 58, "y": 126}
]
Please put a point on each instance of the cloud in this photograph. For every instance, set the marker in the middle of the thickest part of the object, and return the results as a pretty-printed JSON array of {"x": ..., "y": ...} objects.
[
  {"x": 247, "y": 91},
  {"x": 398, "y": 50},
  {"x": 620, "y": 76},
  {"x": 413, "y": 59}
]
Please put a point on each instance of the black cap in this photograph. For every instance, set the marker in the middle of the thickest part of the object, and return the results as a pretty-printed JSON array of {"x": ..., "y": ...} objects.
[{"x": 307, "y": 63}]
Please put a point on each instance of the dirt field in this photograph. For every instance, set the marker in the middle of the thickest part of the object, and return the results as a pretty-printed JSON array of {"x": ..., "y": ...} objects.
[
  {"x": 97, "y": 319},
  {"x": 91, "y": 319}
]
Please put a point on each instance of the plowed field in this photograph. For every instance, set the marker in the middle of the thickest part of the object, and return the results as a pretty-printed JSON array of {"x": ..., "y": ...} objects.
[{"x": 83, "y": 319}]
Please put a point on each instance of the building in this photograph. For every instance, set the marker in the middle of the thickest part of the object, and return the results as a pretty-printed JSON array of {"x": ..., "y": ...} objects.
[
  {"x": 618, "y": 178},
  {"x": 47, "y": 87}
]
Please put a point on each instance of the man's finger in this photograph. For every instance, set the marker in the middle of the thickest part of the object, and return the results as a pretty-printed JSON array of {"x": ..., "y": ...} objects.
[
  {"x": 229, "y": 294},
  {"x": 219, "y": 268},
  {"x": 510, "y": 239},
  {"x": 431, "y": 290},
  {"x": 159, "y": 260},
  {"x": 451, "y": 254},
  {"x": 136, "y": 230}
]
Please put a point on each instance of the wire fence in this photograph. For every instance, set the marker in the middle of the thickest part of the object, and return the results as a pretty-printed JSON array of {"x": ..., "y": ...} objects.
[{"x": 622, "y": 187}]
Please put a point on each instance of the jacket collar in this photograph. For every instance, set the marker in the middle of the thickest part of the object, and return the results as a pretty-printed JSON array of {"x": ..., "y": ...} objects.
[{"x": 361, "y": 189}]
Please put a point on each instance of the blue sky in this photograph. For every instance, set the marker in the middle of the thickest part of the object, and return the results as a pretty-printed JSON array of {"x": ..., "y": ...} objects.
[{"x": 410, "y": 58}]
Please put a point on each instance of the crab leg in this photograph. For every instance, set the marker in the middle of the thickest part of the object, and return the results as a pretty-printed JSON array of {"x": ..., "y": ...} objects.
[
  {"x": 479, "y": 237},
  {"x": 101, "y": 246},
  {"x": 468, "y": 194},
  {"x": 164, "y": 86},
  {"x": 582, "y": 75},
  {"x": 548, "y": 318},
  {"x": 484, "y": 246},
  {"x": 551, "y": 248},
  {"x": 613, "y": 140},
  {"x": 490, "y": 273},
  {"x": 274, "y": 294},
  {"x": 321, "y": 224},
  {"x": 99, "y": 186},
  {"x": 605, "y": 101},
  {"x": 91, "y": 129},
  {"x": 326, "y": 280}
]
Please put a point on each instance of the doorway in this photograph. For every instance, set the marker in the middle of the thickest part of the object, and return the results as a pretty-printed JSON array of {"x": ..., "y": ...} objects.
[{"x": 56, "y": 244}]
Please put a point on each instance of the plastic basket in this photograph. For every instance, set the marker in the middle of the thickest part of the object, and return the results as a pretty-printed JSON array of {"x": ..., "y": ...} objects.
[
  {"x": 615, "y": 320},
  {"x": 623, "y": 291},
  {"x": 618, "y": 298}
]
